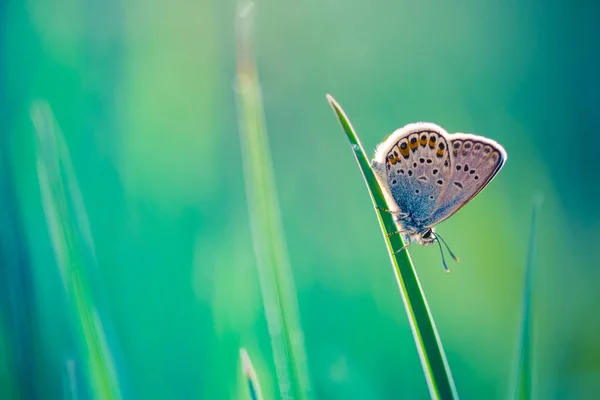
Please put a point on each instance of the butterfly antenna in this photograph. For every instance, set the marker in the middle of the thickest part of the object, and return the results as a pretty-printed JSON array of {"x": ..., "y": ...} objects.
[
  {"x": 443, "y": 259},
  {"x": 448, "y": 247}
]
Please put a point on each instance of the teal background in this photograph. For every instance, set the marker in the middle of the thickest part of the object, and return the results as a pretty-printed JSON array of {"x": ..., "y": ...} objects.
[{"x": 143, "y": 92}]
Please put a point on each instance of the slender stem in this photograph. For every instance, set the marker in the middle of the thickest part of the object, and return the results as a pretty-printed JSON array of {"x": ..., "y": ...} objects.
[
  {"x": 71, "y": 240},
  {"x": 522, "y": 390},
  {"x": 429, "y": 346},
  {"x": 275, "y": 276},
  {"x": 251, "y": 376}
]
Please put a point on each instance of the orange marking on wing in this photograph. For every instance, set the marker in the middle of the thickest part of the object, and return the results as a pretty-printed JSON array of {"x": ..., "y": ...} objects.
[
  {"x": 404, "y": 151},
  {"x": 414, "y": 143},
  {"x": 432, "y": 141}
]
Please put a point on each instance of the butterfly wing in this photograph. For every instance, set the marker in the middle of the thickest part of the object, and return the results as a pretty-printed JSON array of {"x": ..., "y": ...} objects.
[
  {"x": 413, "y": 164},
  {"x": 474, "y": 162}
]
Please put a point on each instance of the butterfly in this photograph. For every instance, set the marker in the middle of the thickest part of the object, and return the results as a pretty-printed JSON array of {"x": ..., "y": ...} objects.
[{"x": 427, "y": 175}]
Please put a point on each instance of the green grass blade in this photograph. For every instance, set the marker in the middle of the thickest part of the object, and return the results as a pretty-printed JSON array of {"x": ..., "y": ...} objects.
[
  {"x": 250, "y": 376},
  {"x": 277, "y": 287},
  {"x": 435, "y": 366},
  {"x": 71, "y": 240},
  {"x": 70, "y": 380},
  {"x": 522, "y": 390}
]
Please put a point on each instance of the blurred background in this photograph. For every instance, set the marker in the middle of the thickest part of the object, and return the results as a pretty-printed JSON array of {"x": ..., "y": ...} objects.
[{"x": 143, "y": 93}]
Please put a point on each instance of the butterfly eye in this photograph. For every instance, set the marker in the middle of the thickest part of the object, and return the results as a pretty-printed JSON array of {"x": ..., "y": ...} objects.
[{"x": 427, "y": 234}]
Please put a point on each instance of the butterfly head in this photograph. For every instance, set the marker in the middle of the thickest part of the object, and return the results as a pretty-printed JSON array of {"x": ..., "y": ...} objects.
[{"x": 426, "y": 237}]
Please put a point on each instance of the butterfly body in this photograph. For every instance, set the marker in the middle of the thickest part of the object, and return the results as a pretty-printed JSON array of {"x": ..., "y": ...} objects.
[{"x": 427, "y": 175}]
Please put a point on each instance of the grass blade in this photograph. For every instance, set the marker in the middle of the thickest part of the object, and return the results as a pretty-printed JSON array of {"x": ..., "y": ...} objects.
[
  {"x": 251, "y": 377},
  {"x": 70, "y": 380},
  {"x": 435, "y": 366},
  {"x": 522, "y": 390},
  {"x": 275, "y": 276},
  {"x": 73, "y": 247},
  {"x": 18, "y": 297}
]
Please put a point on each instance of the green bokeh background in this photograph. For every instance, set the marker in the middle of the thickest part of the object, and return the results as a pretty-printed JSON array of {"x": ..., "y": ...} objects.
[{"x": 144, "y": 94}]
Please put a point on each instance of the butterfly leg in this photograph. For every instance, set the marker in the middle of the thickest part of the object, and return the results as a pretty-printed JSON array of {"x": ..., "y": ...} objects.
[
  {"x": 395, "y": 233},
  {"x": 404, "y": 247},
  {"x": 399, "y": 214}
]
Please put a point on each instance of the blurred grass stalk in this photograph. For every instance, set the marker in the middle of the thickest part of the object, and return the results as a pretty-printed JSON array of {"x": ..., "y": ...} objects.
[
  {"x": 523, "y": 387},
  {"x": 20, "y": 358},
  {"x": 435, "y": 366},
  {"x": 251, "y": 376},
  {"x": 72, "y": 243},
  {"x": 276, "y": 281}
]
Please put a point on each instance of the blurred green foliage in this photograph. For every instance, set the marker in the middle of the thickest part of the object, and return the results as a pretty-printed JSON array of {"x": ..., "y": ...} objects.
[{"x": 143, "y": 93}]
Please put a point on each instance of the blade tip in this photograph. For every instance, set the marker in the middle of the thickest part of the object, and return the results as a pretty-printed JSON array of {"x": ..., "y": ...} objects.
[{"x": 331, "y": 100}]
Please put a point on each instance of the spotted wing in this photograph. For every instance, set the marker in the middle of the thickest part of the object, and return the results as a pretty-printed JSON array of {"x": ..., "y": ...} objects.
[
  {"x": 475, "y": 161},
  {"x": 414, "y": 162}
]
